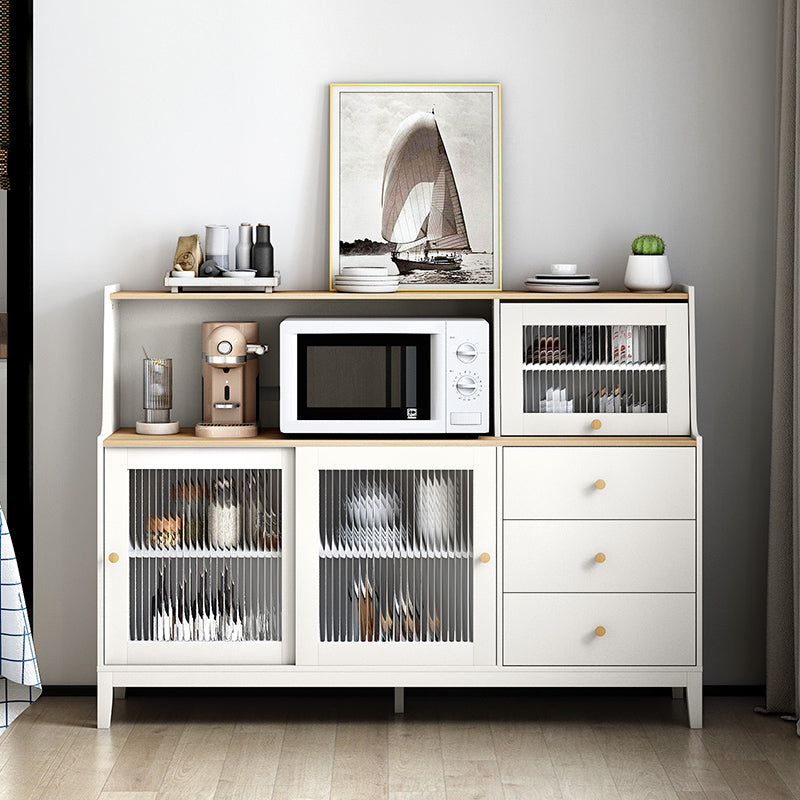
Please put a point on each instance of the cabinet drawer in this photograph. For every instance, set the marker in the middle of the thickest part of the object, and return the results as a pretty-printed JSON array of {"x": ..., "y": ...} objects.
[
  {"x": 599, "y": 556},
  {"x": 562, "y": 482},
  {"x": 559, "y": 629}
]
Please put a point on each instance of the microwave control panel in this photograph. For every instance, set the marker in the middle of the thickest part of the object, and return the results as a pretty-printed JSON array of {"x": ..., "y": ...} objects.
[{"x": 467, "y": 376}]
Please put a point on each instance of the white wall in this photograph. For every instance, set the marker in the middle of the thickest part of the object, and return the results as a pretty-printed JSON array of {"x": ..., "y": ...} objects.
[{"x": 153, "y": 118}]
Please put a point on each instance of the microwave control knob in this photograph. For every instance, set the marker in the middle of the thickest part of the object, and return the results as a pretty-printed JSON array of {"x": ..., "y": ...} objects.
[
  {"x": 466, "y": 385},
  {"x": 466, "y": 352}
]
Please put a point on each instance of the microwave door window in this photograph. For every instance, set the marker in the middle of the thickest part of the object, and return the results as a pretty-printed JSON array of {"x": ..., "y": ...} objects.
[{"x": 361, "y": 376}]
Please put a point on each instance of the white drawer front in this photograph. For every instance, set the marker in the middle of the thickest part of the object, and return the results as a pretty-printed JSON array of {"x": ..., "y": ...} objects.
[
  {"x": 599, "y": 556},
  {"x": 560, "y": 629},
  {"x": 562, "y": 482}
]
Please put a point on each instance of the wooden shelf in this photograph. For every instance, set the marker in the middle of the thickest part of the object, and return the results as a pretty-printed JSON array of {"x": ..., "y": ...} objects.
[
  {"x": 269, "y": 437},
  {"x": 540, "y": 297}
]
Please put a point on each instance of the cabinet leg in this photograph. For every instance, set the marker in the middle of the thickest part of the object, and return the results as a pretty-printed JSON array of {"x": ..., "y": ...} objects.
[
  {"x": 105, "y": 699},
  {"x": 677, "y": 692},
  {"x": 399, "y": 700},
  {"x": 694, "y": 699},
  {"x": 119, "y": 692}
]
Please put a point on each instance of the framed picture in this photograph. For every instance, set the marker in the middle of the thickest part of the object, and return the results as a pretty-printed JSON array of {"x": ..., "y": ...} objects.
[{"x": 415, "y": 182}]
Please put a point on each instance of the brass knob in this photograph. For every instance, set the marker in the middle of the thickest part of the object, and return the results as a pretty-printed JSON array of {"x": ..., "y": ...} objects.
[
  {"x": 600, "y": 558},
  {"x": 600, "y": 630},
  {"x": 599, "y": 484},
  {"x": 486, "y": 558},
  {"x": 596, "y": 424},
  {"x": 113, "y": 558}
]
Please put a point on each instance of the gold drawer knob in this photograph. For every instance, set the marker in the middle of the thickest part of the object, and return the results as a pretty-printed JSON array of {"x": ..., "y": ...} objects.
[
  {"x": 599, "y": 484},
  {"x": 486, "y": 558},
  {"x": 600, "y": 558},
  {"x": 596, "y": 424},
  {"x": 113, "y": 557},
  {"x": 600, "y": 631}
]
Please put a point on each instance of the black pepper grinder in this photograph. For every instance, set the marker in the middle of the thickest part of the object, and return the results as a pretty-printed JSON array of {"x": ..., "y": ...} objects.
[{"x": 262, "y": 253}]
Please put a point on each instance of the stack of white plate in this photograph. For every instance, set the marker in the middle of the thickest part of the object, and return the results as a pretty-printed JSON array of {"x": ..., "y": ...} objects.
[
  {"x": 365, "y": 279},
  {"x": 548, "y": 282}
]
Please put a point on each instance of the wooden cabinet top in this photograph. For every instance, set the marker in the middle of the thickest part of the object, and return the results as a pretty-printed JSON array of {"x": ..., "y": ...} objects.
[
  {"x": 127, "y": 437},
  {"x": 536, "y": 297}
]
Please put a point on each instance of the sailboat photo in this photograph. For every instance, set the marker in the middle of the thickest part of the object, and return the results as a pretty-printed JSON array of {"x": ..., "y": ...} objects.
[
  {"x": 422, "y": 215},
  {"x": 415, "y": 183}
]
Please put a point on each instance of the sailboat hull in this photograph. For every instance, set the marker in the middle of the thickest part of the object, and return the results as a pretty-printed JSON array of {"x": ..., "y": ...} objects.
[{"x": 405, "y": 265}]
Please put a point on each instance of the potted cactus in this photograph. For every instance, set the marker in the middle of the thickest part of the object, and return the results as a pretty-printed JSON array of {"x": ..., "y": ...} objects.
[{"x": 648, "y": 267}]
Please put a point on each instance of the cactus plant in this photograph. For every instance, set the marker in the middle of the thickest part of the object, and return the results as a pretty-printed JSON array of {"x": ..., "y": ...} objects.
[{"x": 648, "y": 245}]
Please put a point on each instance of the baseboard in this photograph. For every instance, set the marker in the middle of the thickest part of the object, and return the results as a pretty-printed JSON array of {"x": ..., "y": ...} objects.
[{"x": 724, "y": 690}]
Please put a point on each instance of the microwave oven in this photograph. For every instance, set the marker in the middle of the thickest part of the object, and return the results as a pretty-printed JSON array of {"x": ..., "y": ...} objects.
[{"x": 390, "y": 376}]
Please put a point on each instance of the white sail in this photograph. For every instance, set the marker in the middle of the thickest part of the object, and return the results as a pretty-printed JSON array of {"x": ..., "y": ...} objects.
[{"x": 420, "y": 198}]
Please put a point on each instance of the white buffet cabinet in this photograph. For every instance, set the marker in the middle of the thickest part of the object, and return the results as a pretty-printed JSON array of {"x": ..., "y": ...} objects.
[{"x": 564, "y": 553}]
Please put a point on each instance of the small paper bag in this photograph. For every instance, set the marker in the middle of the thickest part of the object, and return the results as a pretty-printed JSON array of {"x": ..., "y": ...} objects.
[{"x": 188, "y": 254}]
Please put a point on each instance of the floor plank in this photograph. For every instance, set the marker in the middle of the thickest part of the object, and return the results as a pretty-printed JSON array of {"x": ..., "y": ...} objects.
[
  {"x": 196, "y": 766},
  {"x": 332, "y": 746}
]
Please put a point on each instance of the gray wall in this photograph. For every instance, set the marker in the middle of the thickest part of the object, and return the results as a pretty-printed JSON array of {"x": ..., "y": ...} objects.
[{"x": 619, "y": 117}]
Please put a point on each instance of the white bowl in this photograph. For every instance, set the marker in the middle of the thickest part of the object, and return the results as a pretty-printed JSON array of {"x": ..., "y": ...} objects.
[{"x": 563, "y": 269}]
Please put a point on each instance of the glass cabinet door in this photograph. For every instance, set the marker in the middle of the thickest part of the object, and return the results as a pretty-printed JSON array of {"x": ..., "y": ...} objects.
[
  {"x": 394, "y": 538},
  {"x": 594, "y": 369},
  {"x": 195, "y": 560}
]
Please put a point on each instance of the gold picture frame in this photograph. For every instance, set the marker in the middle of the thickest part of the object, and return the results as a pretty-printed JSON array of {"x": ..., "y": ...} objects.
[{"x": 415, "y": 183}]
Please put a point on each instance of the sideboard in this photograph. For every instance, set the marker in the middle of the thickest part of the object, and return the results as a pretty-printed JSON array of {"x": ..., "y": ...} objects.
[{"x": 562, "y": 549}]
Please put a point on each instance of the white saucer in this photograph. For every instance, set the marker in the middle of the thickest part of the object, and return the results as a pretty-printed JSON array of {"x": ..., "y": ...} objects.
[
  {"x": 548, "y": 276},
  {"x": 381, "y": 289},
  {"x": 363, "y": 281},
  {"x": 363, "y": 271},
  {"x": 239, "y": 273},
  {"x": 562, "y": 287}
]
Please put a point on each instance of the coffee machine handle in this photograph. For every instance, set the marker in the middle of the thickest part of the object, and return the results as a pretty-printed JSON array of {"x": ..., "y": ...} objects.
[{"x": 257, "y": 349}]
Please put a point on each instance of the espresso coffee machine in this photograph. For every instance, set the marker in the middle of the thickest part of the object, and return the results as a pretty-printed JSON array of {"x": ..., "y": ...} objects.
[{"x": 230, "y": 380}]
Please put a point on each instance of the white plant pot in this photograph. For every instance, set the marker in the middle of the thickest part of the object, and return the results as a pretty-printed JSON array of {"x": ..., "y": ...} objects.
[{"x": 648, "y": 274}]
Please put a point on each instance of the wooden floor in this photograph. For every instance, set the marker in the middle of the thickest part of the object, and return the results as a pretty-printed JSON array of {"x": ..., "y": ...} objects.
[{"x": 350, "y": 746}]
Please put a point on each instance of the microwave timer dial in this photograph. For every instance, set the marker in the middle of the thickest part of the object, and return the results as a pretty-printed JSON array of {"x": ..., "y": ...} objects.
[{"x": 468, "y": 385}]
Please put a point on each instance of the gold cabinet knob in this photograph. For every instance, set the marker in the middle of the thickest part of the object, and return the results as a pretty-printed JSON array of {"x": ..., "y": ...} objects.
[
  {"x": 599, "y": 484},
  {"x": 600, "y": 558},
  {"x": 596, "y": 424},
  {"x": 600, "y": 631},
  {"x": 486, "y": 558},
  {"x": 113, "y": 557}
]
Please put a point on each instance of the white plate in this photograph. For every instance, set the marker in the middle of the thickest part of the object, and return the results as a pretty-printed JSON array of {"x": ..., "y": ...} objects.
[
  {"x": 584, "y": 282},
  {"x": 372, "y": 271},
  {"x": 370, "y": 282},
  {"x": 366, "y": 278},
  {"x": 562, "y": 287},
  {"x": 546, "y": 276},
  {"x": 367, "y": 289},
  {"x": 239, "y": 273}
]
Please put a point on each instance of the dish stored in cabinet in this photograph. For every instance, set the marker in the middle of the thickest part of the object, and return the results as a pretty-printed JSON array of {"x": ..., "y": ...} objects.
[
  {"x": 594, "y": 369},
  {"x": 195, "y": 561},
  {"x": 399, "y": 537}
]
